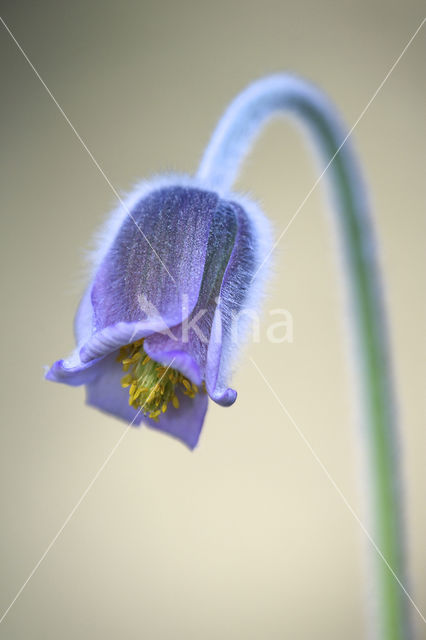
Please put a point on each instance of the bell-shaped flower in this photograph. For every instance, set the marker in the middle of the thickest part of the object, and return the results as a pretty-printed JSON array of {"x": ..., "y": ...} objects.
[{"x": 159, "y": 326}]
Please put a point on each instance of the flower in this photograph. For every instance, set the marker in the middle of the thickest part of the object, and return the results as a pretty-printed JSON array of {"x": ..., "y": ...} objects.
[{"x": 173, "y": 269}]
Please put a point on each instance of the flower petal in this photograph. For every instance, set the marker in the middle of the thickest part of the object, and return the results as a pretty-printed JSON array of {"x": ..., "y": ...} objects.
[
  {"x": 107, "y": 394},
  {"x": 188, "y": 341},
  {"x": 156, "y": 261},
  {"x": 217, "y": 390},
  {"x": 170, "y": 354},
  {"x": 72, "y": 371},
  {"x": 77, "y": 369},
  {"x": 186, "y": 422},
  {"x": 239, "y": 298},
  {"x": 173, "y": 269},
  {"x": 111, "y": 338}
]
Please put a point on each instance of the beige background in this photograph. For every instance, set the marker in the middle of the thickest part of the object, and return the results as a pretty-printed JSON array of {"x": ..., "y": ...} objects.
[{"x": 245, "y": 537}]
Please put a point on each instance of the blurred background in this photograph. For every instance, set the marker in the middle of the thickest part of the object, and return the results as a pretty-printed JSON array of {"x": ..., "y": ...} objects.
[{"x": 245, "y": 537}]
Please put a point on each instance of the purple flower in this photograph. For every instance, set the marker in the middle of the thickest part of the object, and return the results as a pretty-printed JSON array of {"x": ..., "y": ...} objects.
[{"x": 158, "y": 328}]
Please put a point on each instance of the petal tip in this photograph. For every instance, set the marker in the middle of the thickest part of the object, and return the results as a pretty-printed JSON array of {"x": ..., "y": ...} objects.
[
  {"x": 224, "y": 398},
  {"x": 53, "y": 373}
]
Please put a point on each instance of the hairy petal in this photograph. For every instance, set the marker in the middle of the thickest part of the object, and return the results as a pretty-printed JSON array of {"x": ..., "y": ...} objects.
[
  {"x": 239, "y": 298},
  {"x": 158, "y": 256},
  {"x": 189, "y": 341},
  {"x": 175, "y": 273},
  {"x": 148, "y": 275}
]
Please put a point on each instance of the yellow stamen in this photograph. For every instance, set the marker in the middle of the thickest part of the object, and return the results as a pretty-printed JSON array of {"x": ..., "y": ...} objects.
[
  {"x": 152, "y": 386},
  {"x": 126, "y": 380}
]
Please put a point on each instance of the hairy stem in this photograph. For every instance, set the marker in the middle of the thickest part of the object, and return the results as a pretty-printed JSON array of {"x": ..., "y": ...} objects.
[{"x": 229, "y": 144}]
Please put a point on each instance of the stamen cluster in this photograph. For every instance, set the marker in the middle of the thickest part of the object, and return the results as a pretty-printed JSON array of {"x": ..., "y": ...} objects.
[{"x": 152, "y": 387}]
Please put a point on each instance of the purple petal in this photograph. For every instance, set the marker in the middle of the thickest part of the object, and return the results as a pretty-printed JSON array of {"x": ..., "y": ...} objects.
[
  {"x": 188, "y": 342},
  {"x": 239, "y": 294},
  {"x": 218, "y": 392},
  {"x": 183, "y": 257},
  {"x": 77, "y": 369},
  {"x": 172, "y": 354},
  {"x": 107, "y": 394},
  {"x": 186, "y": 422},
  {"x": 157, "y": 257},
  {"x": 234, "y": 253},
  {"x": 111, "y": 338},
  {"x": 73, "y": 372},
  {"x": 83, "y": 321}
]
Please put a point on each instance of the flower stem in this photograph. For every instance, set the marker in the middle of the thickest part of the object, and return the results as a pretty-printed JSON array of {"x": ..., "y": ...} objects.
[{"x": 230, "y": 142}]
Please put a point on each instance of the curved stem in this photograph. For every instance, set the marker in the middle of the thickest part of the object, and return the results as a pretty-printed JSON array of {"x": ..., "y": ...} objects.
[{"x": 235, "y": 132}]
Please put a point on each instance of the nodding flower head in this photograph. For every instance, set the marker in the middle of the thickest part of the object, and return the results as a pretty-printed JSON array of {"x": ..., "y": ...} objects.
[{"x": 155, "y": 330}]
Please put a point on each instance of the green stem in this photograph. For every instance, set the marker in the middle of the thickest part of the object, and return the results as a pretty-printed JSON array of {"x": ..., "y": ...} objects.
[{"x": 230, "y": 142}]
